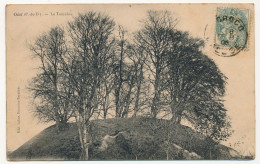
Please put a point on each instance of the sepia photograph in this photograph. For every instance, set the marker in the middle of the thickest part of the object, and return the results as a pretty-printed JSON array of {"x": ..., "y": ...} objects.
[{"x": 130, "y": 82}]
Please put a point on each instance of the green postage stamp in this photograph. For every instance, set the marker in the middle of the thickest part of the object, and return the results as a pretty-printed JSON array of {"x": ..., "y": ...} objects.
[{"x": 231, "y": 31}]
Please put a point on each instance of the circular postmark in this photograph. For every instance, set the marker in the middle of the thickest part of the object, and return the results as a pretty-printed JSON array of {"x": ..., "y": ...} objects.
[{"x": 231, "y": 33}]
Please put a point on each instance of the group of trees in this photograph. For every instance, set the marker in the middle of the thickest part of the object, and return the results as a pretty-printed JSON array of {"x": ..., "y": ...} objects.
[{"x": 94, "y": 68}]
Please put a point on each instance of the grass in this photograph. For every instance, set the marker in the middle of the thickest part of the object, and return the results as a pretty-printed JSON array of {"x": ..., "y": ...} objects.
[{"x": 146, "y": 139}]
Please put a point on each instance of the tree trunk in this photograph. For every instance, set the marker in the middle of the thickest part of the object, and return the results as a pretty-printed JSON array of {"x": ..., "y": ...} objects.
[
  {"x": 81, "y": 142},
  {"x": 176, "y": 118},
  {"x": 80, "y": 131},
  {"x": 83, "y": 134},
  {"x": 135, "y": 114},
  {"x": 137, "y": 99},
  {"x": 176, "y": 112},
  {"x": 127, "y": 100},
  {"x": 105, "y": 110},
  {"x": 154, "y": 108},
  {"x": 118, "y": 110},
  {"x": 85, "y": 142},
  {"x": 57, "y": 120},
  {"x": 106, "y": 101},
  {"x": 105, "y": 114},
  {"x": 140, "y": 79},
  {"x": 117, "y": 92}
]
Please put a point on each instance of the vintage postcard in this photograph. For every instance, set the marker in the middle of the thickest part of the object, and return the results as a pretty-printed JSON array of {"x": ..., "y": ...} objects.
[{"x": 130, "y": 82}]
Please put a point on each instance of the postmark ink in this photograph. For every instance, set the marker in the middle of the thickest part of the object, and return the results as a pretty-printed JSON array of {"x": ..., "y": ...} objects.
[{"x": 231, "y": 31}]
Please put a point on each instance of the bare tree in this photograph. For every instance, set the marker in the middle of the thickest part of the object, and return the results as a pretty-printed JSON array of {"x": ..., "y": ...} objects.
[
  {"x": 136, "y": 56},
  {"x": 127, "y": 90},
  {"x": 155, "y": 38},
  {"x": 92, "y": 42},
  {"x": 92, "y": 72},
  {"x": 119, "y": 70},
  {"x": 47, "y": 87},
  {"x": 105, "y": 91},
  {"x": 126, "y": 75}
]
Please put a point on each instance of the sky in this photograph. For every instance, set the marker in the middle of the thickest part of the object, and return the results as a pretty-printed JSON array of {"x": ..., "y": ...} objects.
[{"x": 198, "y": 20}]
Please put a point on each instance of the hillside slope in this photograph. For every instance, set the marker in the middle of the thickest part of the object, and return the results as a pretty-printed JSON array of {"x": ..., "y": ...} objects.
[{"x": 143, "y": 139}]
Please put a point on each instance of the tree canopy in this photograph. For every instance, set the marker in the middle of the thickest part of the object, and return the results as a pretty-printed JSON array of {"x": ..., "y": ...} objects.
[{"x": 91, "y": 70}]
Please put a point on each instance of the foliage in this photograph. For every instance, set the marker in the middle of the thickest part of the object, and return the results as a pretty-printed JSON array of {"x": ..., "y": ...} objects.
[{"x": 93, "y": 70}]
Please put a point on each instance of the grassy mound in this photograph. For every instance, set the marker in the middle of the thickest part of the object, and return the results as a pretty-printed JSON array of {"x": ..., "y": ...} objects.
[{"x": 145, "y": 139}]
